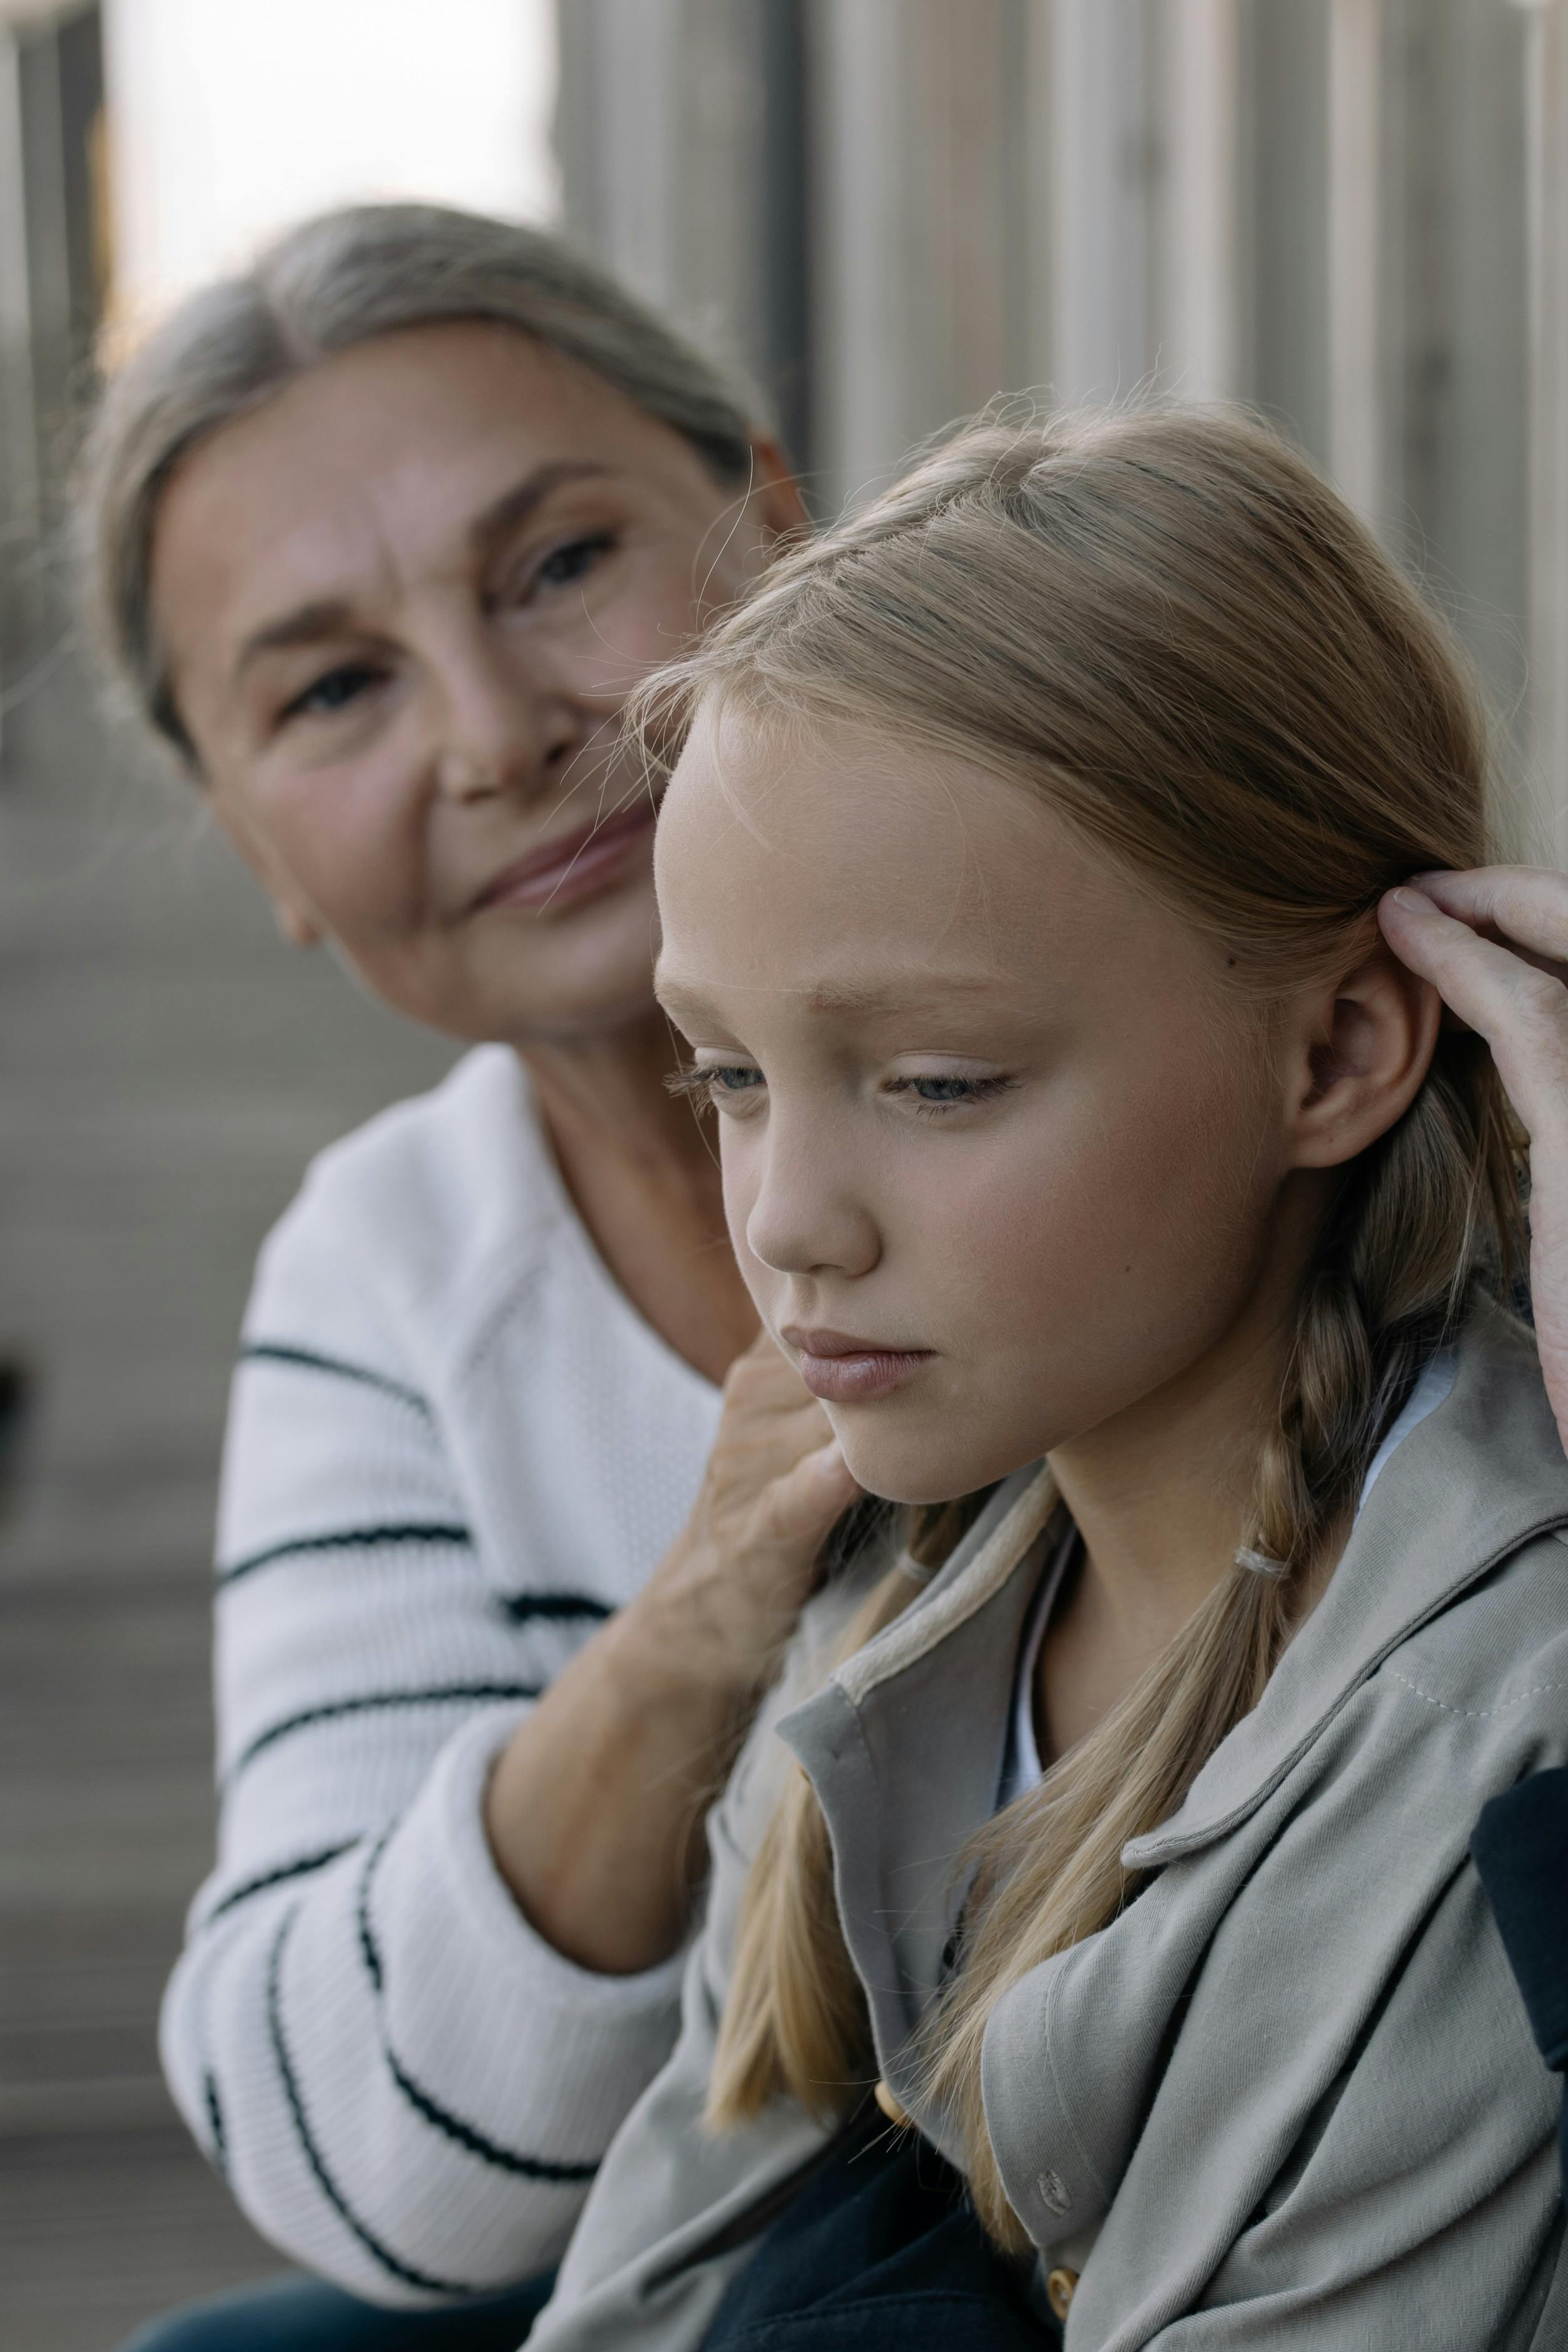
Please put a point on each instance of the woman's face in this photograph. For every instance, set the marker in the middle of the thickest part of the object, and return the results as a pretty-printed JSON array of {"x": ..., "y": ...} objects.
[
  {"x": 1001, "y": 1159},
  {"x": 401, "y": 604}
]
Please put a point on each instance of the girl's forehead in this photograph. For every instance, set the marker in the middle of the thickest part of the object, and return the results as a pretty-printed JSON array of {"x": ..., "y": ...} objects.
[
  {"x": 834, "y": 793},
  {"x": 831, "y": 867}
]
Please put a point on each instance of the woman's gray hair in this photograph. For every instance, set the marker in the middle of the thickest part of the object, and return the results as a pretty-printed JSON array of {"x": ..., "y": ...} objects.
[{"x": 332, "y": 283}]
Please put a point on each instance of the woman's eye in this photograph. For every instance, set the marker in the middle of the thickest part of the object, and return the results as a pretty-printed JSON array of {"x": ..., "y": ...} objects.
[
  {"x": 573, "y": 560},
  {"x": 333, "y": 690}
]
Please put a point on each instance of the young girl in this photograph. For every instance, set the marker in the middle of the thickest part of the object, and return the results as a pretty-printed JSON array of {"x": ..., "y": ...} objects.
[{"x": 1140, "y": 1226}]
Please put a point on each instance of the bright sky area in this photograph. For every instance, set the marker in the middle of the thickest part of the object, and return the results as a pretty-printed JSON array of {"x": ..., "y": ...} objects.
[{"x": 230, "y": 118}]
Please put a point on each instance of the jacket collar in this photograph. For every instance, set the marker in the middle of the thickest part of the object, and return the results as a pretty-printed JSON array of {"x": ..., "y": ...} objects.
[
  {"x": 904, "y": 1748},
  {"x": 1479, "y": 1476},
  {"x": 921, "y": 1710}
]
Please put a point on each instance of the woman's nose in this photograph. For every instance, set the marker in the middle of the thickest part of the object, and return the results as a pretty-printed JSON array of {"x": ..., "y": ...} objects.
[
  {"x": 807, "y": 1216},
  {"x": 501, "y": 733}
]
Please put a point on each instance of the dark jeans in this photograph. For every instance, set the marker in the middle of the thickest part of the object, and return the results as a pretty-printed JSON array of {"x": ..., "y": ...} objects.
[
  {"x": 878, "y": 2252},
  {"x": 304, "y": 2314},
  {"x": 1520, "y": 1846}
]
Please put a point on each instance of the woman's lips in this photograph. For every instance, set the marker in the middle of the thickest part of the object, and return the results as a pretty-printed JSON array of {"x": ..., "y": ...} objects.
[
  {"x": 842, "y": 1371},
  {"x": 577, "y": 865}
]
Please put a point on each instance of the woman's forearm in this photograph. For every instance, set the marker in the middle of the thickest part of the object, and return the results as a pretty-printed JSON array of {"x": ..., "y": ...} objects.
[{"x": 595, "y": 1807}]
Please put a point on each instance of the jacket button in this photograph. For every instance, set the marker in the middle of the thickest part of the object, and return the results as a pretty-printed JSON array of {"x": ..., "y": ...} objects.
[
  {"x": 1060, "y": 2288},
  {"x": 889, "y": 2106}
]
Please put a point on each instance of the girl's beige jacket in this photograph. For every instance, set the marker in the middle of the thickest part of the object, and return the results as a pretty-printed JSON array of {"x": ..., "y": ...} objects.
[{"x": 1288, "y": 2101}]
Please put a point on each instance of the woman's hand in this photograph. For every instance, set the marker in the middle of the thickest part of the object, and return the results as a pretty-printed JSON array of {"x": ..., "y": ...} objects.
[
  {"x": 724, "y": 1601},
  {"x": 1494, "y": 944},
  {"x": 595, "y": 1807}
]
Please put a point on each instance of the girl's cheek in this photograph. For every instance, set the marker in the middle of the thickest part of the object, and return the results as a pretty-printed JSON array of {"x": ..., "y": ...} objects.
[{"x": 740, "y": 1185}]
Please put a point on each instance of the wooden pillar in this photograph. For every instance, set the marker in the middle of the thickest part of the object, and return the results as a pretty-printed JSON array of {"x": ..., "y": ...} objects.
[
  {"x": 1105, "y": 134},
  {"x": 18, "y": 442},
  {"x": 1201, "y": 344},
  {"x": 1547, "y": 100},
  {"x": 1353, "y": 229},
  {"x": 926, "y": 226},
  {"x": 681, "y": 136}
]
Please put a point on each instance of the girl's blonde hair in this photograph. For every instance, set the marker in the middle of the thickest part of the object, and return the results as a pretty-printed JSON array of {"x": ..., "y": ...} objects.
[
  {"x": 1166, "y": 625},
  {"x": 326, "y": 287}
]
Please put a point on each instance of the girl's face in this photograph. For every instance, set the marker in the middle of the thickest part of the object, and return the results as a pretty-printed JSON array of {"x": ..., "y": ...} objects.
[
  {"x": 1002, "y": 1160},
  {"x": 401, "y": 604}
]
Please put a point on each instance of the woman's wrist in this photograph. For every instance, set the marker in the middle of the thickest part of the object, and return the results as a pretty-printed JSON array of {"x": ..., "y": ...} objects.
[
  {"x": 594, "y": 1812},
  {"x": 691, "y": 1641}
]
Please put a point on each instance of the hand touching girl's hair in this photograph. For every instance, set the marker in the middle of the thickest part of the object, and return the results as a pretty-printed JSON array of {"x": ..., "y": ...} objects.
[{"x": 1166, "y": 627}]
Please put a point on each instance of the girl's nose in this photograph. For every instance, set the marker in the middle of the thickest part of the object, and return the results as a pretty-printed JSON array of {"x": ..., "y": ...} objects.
[{"x": 807, "y": 1216}]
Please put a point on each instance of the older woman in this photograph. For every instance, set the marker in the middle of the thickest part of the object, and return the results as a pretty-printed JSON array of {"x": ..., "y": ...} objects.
[{"x": 381, "y": 535}]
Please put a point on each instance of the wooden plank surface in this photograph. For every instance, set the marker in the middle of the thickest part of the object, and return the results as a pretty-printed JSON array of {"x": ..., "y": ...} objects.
[{"x": 166, "y": 1067}]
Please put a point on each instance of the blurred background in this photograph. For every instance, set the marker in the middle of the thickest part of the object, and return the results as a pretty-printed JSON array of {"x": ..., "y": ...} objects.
[{"x": 1353, "y": 212}]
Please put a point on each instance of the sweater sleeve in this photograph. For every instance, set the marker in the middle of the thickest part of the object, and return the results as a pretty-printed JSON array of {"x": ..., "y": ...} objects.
[{"x": 406, "y": 2089}]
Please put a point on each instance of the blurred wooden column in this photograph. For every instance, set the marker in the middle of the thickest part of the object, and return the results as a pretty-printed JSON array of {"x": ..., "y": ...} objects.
[
  {"x": 928, "y": 239},
  {"x": 1354, "y": 213},
  {"x": 1201, "y": 355},
  {"x": 681, "y": 133},
  {"x": 52, "y": 268},
  {"x": 1143, "y": 129},
  {"x": 1547, "y": 104},
  {"x": 1103, "y": 129},
  {"x": 18, "y": 438},
  {"x": 1453, "y": 313}
]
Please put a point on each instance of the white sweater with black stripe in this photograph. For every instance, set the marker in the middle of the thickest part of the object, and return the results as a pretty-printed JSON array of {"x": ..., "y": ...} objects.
[{"x": 454, "y": 1448}]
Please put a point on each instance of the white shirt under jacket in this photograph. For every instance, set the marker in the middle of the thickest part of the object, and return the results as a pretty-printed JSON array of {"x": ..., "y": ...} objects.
[{"x": 454, "y": 1448}]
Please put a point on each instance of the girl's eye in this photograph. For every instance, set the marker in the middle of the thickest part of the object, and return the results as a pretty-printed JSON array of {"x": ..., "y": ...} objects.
[
  {"x": 939, "y": 1094},
  {"x": 573, "y": 561},
  {"x": 721, "y": 1084},
  {"x": 333, "y": 690},
  {"x": 725, "y": 1080}
]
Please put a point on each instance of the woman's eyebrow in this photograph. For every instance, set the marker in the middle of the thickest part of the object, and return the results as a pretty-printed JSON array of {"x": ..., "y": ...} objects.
[
  {"x": 500, "y": 520},
  {"x": 306, "y": 625}
]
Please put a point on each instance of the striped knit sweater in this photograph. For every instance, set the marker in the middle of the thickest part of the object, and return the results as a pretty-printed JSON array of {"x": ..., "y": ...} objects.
[{"x": 453, "y": 1449}]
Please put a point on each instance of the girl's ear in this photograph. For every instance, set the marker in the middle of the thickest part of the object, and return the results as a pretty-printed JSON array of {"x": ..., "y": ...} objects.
[
  {"x": 1355, "y": 1059},
  {"x": 293, "y": 917}
]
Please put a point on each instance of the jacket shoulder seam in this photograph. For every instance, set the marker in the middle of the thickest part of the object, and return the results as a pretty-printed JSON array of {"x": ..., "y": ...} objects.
[{"x": 1472, "y": 1714}]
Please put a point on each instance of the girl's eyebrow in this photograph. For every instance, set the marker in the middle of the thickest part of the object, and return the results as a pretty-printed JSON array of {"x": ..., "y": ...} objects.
[{"x": 923, "y": 994}]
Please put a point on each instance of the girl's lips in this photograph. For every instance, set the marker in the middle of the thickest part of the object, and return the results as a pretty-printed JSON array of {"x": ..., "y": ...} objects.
[
  {"x": 577, "y": 866},
  {"x": 841, "y": 1370}
]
